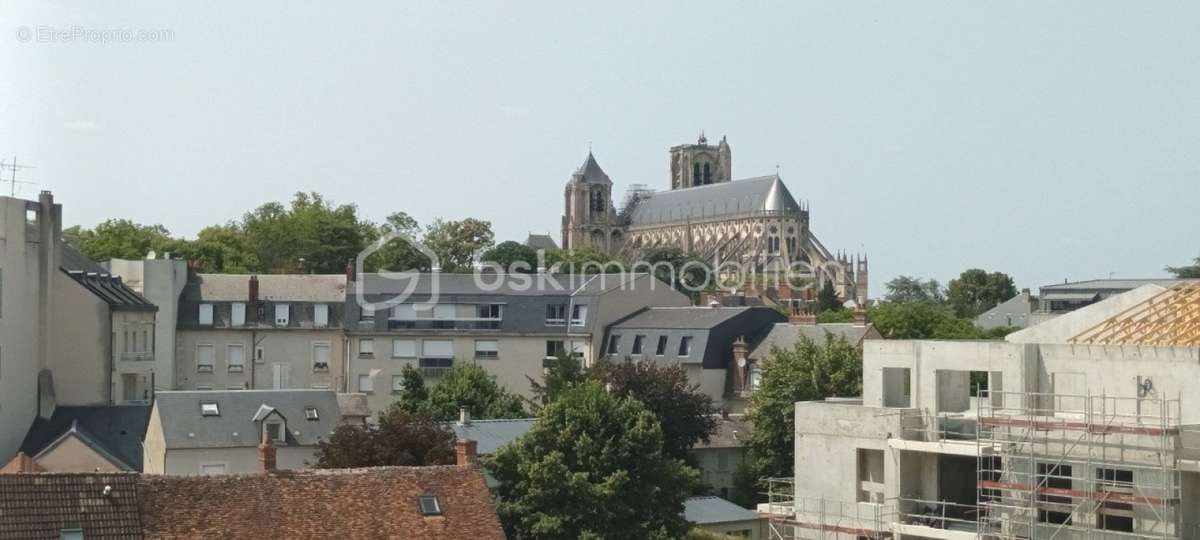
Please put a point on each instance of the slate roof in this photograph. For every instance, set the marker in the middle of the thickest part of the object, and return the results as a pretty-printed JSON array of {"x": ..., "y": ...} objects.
[
  {"x": 492, "y": 434},
  {"x": 112, "y": 291},
  {"x": 184, "y": 427},
  {"x": 271, "y": 287},
  {"x": 116, "y": 430},
  {"x": 42, "y": 505},
  {"x": 731, "y": 432},
  {"x": 690, "y": 317},
  {"x": 785, "y": 335},
  {"x": 540, "y": 241},
  {"x": 451, "y": 284},
  {"x": 750, "y": 195},
  {"x": 1106, "y": 285},
  {"x": 72, "y": 259},
  {"x": 590, "y": 171},
  {"x": 713, "y": 510}
]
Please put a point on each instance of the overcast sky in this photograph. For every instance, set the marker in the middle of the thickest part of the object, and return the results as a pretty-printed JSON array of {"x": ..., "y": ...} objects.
[{"x": 1047, "y": 140}]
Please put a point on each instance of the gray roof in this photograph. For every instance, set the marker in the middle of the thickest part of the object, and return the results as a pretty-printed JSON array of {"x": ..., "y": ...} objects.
[
  {"x": 680, "y": 317},
  {"x": 712, "y": 510},
  {"x": 1106, "y": 285},
  {"x": 184, "y": 427},
  {"x": 276, "y": 287},
  {"x": 1013, "y": 312},
  {"x": 540, "y": 241},
  {"x": 114, "y": 430},
  {"x": 785, "y": 335},
  {"x": 451, "y": 284},
  {"x": 112, "y": 291},
  {"x": 748, "y": 196},
  {"x": 711, "y": 331},
  {"x": 72, "y": 259},
  {"x": 492, "y": 434},
  {"x": 731, "y": 432},
  {"x": 590, "y": 171}
]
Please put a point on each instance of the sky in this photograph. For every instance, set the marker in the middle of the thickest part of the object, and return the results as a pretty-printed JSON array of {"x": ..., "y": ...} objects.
[{"x": 1047, "y": 140}]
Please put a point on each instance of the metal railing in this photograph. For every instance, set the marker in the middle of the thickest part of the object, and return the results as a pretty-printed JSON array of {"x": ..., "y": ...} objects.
[
  {"x": 938, "y": 514},
  {"x": 136, "y": 356},
  {"x": 443, "y": 324}
]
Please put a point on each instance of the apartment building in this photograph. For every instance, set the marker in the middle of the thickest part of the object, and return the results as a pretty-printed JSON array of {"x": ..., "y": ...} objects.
[
  {"x": 508, "y": 323},
  {"x": 240, "y": 331},
  {"x": 160, "y": 280},
  {"x": 1081, "y": 426}
]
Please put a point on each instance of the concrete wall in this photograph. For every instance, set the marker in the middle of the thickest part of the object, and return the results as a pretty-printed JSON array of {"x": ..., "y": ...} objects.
[
  {"x": 20, "y": 283},
  {"x": 133, "y": 357},
  {"x": 79, "y": 351},
  {"x": 292, "y": 348},
  {"x": 72, "y": 455}
]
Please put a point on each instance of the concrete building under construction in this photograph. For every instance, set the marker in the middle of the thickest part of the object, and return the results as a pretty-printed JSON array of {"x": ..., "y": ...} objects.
[{"x": 1085, "y": 426}]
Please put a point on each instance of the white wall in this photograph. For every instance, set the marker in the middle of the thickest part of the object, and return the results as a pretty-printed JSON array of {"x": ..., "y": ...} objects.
[{"x": 19, "y": 318}]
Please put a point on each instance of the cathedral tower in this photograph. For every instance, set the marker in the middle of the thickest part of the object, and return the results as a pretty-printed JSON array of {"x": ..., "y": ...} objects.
[
  {"x": 589, "y": 218},
  {"x": 700, "y": 164}
]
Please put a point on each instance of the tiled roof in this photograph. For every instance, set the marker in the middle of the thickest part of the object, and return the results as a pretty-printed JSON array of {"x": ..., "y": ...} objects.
[
  {"x": 117, "y": 430},
  {"x": 712, "y": 510},
  {"x": 42, "y": 505},
  {"x": 234, "y": 427},
  {"x": 350, "y": 503}
]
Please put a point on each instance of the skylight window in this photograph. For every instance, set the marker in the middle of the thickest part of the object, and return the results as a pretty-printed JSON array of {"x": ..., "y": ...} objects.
[
  {"x": 429, "y": 505},
  {"x": 209, "y": 408},
  {"x": 311, "y": 413}
]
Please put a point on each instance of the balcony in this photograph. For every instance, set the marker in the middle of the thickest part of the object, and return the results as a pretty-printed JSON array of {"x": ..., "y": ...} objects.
[
  {"x": 936, "y": 519},
  {"x": 137, "y": 357},
  {"x": 435, "y": 367},
  {"x": 444, "y": 324}
]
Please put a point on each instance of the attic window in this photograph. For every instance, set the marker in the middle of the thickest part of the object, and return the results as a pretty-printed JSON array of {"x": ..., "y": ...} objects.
[
  {"x": 311, "y": 413},
  {"x": 209, "y": 408},
  {"x": 429, "y": 505}
]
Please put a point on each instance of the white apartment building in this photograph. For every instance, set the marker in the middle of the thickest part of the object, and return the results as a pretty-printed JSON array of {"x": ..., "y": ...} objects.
[{"x": 1081, "y": 427}]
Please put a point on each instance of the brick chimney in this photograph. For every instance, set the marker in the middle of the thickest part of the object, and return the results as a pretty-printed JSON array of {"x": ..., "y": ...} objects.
[
  {"x": 803, "y": 318},
  {"x": 465, "y": 450},
  {"x": 266, "y": 455},
  {"x": 252, "y": 299},
  {"x": 740, "y": 364},
  {"x": 860, "y": 317}
]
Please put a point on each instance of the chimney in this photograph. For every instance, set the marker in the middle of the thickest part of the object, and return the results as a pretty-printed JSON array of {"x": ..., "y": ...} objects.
[
  {"x": 803, "y": 318},
  {"x": 266, "y": 455},
  {"x": 740, "y": 363},
  {"x": 465, "y": 451},
  {"x": 349, "y": 271},
  {"x": 464, "y": 416},
  {"x": 860, "y": 317},
  {"x": 252, "y": 296}
]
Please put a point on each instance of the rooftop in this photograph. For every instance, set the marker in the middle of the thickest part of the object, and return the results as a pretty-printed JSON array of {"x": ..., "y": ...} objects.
[
  {"x": 1167, "y": 319},
  {"x": 685, "y": 317},
  {"x": 492, "y": 434},
  {"x": 272, "y": 287},
  {"x": 713, "y": 510},
  {"x": 785, "y": 335},
  {"x": 116, "y": 430},
  {"x": 234, "y": 426},
  {"x": 747, "y": 196}
]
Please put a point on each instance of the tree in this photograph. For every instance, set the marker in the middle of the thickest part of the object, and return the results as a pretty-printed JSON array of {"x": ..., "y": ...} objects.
[
  {"x": 400, "y": 439},
  {"x": 464, "y": 385},
  {"x": 222, "y": 249},
  {"x": 907, "y": 290},
  {"x": 805, "y": 372},
  {"x": 396, "y": 255},
  {"x": 513, "y": 257},
  {"x": 565, "y": 372},
  {"x": 591, "y": 467},
  {"x": 311, "y": 235},
  {"x": 827, "y": 299},
  {"x": 838, "y": 316},
  {"x": 687, "y": 415},
  {"x": 686, "y": 272},
  {"x": 976, "y": 291},
  {"x": 119, "y": 239},
  {"x": 457, "y": 242},
  {"x": 927, "y": 320},
  {"x": 586, "y": 260},
  {"x": 1191, "y": 271}
]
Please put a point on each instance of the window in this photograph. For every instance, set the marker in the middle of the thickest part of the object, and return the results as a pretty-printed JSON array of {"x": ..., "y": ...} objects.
[
  {"x": 282, "y": 314},
  {"x": 870, "y": 475},
  {"x": 366, "y": 347},
  {"x": 436, "y": 362},
  {"x": 1114, "y": 515},
  {"x": 661, "y": 349},
  {"x": 405, "y": 312},
  {"x": 554, "y": 347},
  {"x": 443, "y": 311},
  {"x": 321, "y": 356},
  {"x": 637, "y": 344},
  {"x": 1056, "y": 476},
  {"x": 206, "y": 314},
  {"x": 320, "y": 315},
  {"x": 259, "y": 355},
  {"x": 204, "y": 358},
  {"x": 364, "y": 384},
  {"x": 404, "y": 348},
  {"x": 438, "y": 348},
  {"x": 235, "y": 353},
  {"x": 397, "y": 383},
  {"x": 274, "y": 431},
  {"x": 755, "y": 378},
  {"x": 210, "y": 469},
  {"x": 578, "y": 348},
  {"x": 614, "y": 344},
  {"x": 238, "y": 312},
  {"x": 489, "y": 311},
  {"x": 209, "y": 408},
  {"x": 578, "y": 315},
  {"x": 70, "y": 534},
  {"x": 367, "y": 313},
  {"x": 556, "y": 314},
  {"x": 685, "y": 346},
  {"x": 429, "y": 505},
  {"x": 310, "y": 413},
  {"x": 487, "y": 349}
]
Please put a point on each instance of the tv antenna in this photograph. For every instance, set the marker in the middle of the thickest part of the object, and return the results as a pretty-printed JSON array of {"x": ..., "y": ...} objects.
[{"x": 12, "y": 179}]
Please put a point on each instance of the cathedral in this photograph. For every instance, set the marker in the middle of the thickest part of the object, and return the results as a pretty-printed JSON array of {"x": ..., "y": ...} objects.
[{"x": 754, "y": 222}]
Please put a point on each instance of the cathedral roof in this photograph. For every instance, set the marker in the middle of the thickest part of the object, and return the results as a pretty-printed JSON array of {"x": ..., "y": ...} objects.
[
  {"x": 751, "y": 195},
  {"x": 590, "y": 172}
]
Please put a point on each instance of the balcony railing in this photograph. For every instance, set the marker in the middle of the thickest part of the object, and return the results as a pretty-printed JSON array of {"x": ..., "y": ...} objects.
[
  {"x": 137, "y": 356},
  {"x": 443, "y": 324},
  {"x": 435, "y": 367},
  {"x": 938, "y": 514}
]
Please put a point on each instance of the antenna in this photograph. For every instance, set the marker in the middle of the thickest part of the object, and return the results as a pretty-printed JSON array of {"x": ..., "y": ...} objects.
[{"x": 12, "y": 180}]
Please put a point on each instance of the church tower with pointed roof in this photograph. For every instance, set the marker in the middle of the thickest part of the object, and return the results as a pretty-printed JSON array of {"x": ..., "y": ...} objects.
[{"x": 589, "y": 218}]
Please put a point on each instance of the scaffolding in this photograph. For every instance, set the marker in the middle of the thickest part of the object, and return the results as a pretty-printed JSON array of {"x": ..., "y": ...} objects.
[
  {"x": 1078, "y": 466},
  {"x": 812, "y": 518}
]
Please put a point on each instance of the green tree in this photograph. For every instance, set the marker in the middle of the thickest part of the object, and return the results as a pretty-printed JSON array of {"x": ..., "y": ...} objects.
[
  {"x": 464, "y": 385},
  {"x": 414, "y": 396},
  {"x": 397, "y": 255},
  {"x": 907, "y": 290},
  {"x": 827, "y": 299},
  {"x": 564, "y": 372},
  {"x": 457, "y": 242},
  {"x": 927, "y": 320},
  {"x": 976, "y": 291},
  {"x": 837, "y": 316},
  {"x": 311, "y": 235},
  {"x": 805, "y": 372},
  {"x": 686, "y": 272},
  {"x": 687, "y": 415},
  {"x": 399, "y": 438},
  {"x": 119, "y": 239},
  {"x": 585, "y": 260},
  {"x": 1191, "y": 271},
  {"x": 513, "y": 257},
  {"x": 222, "y": 249},
  {"x": 591, "y": 467}
]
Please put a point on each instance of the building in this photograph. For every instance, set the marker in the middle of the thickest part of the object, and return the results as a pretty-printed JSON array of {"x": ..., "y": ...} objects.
[
  {"x": 1076, "y": 427},
  {"x": 1016, "y": 312},
  {"x": 705, "y": 341},
  {"x": 509, "y": 324},
  {"x": 87, "y": 439},
  {"x": 261, "y": 332},
  {"x": 1065, "y": 297},
  {"x": 755, "y": 222},
  {"x": 160, "y": 280},
  {"x": 719, "y": 458},
  {"x": 540, "y": 241},
  {"x": 420, "y": 503},
  {"x": 720, "y": 516},
  {"x": 218, "y": 432}
]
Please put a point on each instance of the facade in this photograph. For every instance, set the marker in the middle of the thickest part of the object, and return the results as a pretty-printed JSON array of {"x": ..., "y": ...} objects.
[
  {"x": 510, "y": 325},
  {"x": 261, "y": 332},
  {"x": 754, "y": 222},
  {"x": 1065, "y": 297},
  {"x": 160, "y": 280},
  {"x": 719, "y": 458},
  {"x": 1077, "y": 427},
  {"x": 218, "y": 432},
  {"x": 705, "y": 341}
]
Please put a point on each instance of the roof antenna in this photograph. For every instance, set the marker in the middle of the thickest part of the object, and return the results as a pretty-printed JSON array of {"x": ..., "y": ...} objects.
[
  {"x": 12, "y": 181},
  {"x": 776, "y": 170}
]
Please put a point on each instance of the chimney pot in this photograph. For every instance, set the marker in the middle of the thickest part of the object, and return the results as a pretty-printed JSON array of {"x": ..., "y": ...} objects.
[{"x": 465, "y": 449}]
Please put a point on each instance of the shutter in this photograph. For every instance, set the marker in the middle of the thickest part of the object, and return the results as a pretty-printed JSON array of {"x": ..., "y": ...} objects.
[
  {"x": 321, "y": 355},
  {"x": 404, "y": 312},
  {"x": 206, "y": 314},
  {"x": 282, "y": 314},
  {"x": 239, "y": 314},
  {"x": 438, "y": 348},
  {"x": 404, "y": 348},
  {"x": 443, "y": 311},
  {"x": 321, "y": 315}
]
